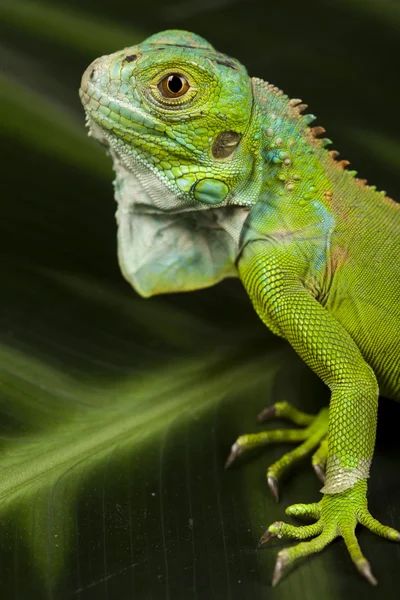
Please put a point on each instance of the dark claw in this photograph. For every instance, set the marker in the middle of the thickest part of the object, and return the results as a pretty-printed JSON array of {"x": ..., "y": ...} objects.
[
  {"x": 265, "y": 538},
  {"x": 365, "y": 570},
  {"x": 267, "y": 413},
  {"x": 235, "y": 452},
  {"x": 273, "y": 486},
  {"x": 281, "y": 563},
  {"x": 319, "y": 472}
]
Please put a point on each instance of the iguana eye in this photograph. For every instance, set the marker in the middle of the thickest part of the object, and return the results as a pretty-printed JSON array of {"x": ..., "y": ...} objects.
[{"x": 173, "y": 86}]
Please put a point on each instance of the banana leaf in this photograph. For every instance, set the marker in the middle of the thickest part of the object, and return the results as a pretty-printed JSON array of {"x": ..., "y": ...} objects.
[{"x": 117, "y": 413}]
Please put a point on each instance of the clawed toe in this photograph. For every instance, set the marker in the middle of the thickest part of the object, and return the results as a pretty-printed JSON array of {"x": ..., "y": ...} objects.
[
  {"x": 273, "y": 486},
  {"x": 365, "y": 570},
  {"x": 266, "y": 536},
  {"x": 266, "y": 414},
  {"x": 281, "y": 563},
  {"x": 236, "y": 451},
  {"x": 320, "y": 472},
  {"x": 308, "y": 437}
]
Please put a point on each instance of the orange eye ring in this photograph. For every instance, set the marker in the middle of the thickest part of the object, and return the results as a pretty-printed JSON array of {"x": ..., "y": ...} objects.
[{"x": 173, "y": 85}]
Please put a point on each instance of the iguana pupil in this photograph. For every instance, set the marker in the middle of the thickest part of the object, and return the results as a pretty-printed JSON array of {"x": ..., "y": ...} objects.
[{"x": 173, "y": 86}]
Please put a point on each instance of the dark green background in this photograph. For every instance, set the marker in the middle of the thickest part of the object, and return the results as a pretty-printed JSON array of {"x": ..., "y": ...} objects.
[{"x": 151, "y": 514}]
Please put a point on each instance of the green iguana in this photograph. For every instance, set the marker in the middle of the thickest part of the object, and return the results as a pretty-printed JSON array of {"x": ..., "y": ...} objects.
[{"x": 220, "y": 175}]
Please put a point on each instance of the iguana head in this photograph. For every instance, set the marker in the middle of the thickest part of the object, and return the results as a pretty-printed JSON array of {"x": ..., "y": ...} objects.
[
  {"x": 179, "y": 108},
  {"x": 175, "y": 115}
]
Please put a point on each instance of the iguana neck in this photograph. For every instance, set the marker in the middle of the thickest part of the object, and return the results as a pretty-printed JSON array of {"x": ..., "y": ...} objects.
[
  {"x": 289, "y": 160},
  {"x": 293, "y": 160}
]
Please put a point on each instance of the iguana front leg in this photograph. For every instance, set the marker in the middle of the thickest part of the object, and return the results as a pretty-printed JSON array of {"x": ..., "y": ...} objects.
[{"x": 271, "y": 278}]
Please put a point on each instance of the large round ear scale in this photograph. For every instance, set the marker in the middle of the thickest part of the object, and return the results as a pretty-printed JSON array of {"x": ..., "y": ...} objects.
[{"x": 210, "y": 191}]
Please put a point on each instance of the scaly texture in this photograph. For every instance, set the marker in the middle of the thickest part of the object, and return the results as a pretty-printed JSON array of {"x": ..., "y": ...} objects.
[{"x": 220, "y": 175}]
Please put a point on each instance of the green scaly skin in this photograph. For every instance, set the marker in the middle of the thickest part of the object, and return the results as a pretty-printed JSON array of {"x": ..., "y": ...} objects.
[{"x": 226, "y": 178}]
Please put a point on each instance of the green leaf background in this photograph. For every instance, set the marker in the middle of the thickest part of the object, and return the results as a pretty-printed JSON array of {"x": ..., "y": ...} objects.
[{"x": 117, "y": 413}]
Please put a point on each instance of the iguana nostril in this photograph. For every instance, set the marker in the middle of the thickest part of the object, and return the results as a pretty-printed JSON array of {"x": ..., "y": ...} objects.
[
  {"x": 130, "y": 58},
  {"x": 92, "y": 74}
]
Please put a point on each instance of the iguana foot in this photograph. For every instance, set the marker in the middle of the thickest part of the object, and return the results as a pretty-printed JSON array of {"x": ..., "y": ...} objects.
[
  {"x": 337, "y": 515},
  {"x": 313, "y": 434}
]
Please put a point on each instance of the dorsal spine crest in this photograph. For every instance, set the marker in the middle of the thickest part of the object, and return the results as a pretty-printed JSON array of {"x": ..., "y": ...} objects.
[{"x": 280, "y": 107}]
